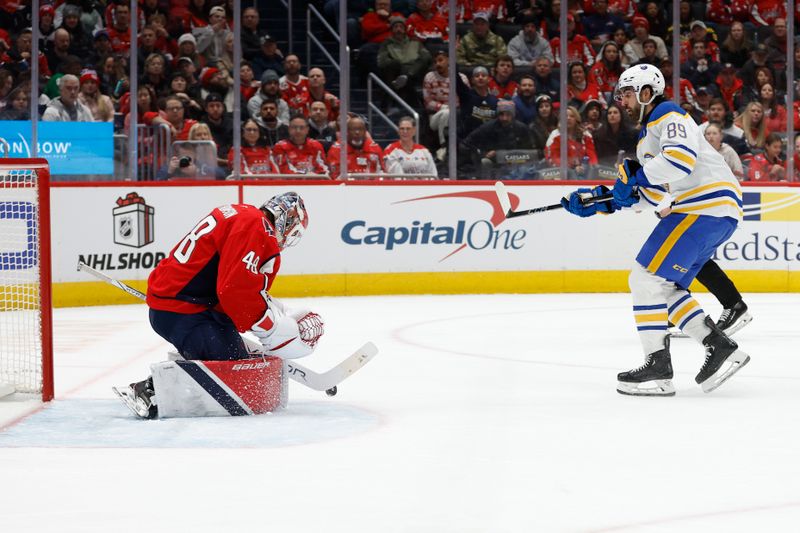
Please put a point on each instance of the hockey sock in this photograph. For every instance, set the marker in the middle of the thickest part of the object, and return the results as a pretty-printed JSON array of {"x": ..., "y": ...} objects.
[
  {"x": 685, "y": 312},
  {"x": 649, "y": 308}
]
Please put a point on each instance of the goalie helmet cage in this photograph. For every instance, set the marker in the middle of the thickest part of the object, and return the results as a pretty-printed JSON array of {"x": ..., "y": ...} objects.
[{"x": 26, "y": 333}]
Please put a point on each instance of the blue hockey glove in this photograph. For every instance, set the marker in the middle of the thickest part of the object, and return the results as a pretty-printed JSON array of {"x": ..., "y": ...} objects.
[
  {"x": 575, "y": 203},
  {"x": 631, "y": 176}
]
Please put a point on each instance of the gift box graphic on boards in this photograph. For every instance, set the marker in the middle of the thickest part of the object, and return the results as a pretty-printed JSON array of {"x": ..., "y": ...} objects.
[{"x": 133, "y": 221}]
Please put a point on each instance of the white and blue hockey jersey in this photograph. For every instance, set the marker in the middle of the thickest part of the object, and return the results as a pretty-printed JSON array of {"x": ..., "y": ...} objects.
[{"x": 679, "y": 162}]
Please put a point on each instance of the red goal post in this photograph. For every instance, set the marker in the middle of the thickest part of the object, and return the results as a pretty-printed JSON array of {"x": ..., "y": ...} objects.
[{"x": 26, "y": 325}]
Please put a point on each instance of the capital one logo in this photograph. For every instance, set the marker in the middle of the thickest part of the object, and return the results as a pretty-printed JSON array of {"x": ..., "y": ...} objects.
[{"x": 470, "y": 232}]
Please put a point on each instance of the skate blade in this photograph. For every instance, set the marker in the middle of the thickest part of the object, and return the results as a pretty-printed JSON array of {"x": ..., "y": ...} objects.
[
  {"x": 130, "y": 403},
  {"x": 675, "y": 333},
  {"x": 658, "y": 387},
  {"x": 739, "y": 324},
  {"x": 732, "y": 365}
]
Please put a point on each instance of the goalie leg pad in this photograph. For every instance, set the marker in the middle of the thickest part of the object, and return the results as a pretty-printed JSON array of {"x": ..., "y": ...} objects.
[{"x": 219, "y": 388}]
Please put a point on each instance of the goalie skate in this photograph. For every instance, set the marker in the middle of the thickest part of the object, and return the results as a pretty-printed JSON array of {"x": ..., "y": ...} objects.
[{"x": 138, "y": 397}]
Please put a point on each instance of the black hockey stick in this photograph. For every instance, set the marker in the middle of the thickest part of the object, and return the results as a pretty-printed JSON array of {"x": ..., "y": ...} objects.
[
  {"x": 505, "y": 202},
  {"x": 325, "y": 381}
]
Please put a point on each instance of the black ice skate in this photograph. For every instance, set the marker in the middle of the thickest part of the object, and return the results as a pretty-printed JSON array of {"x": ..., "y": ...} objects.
[
  {"x": 140, "y": 398},
  {"x": 653, "y": 378},
  {"x": 733, "y": 319},
  {"x": 723, "y": 359}
]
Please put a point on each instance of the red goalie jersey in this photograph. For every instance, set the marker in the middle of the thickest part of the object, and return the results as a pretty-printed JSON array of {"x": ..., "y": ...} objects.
[{"x": 227, "y": 262}]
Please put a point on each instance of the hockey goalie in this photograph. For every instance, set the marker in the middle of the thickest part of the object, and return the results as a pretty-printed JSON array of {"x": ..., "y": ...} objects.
[{"x": 213, "y": 286}]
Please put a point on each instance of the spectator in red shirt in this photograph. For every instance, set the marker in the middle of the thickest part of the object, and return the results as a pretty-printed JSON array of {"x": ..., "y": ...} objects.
[
  {"x": 293, "y": 85},
  {"x": 768, "y": 166},
  {"x": 578, "y": 48},
  {"x": 579, "y": 89},
  {"x": 502, "y": 83},
  {"x": 174, "y": 119},
  {"x": 120, "y": 32},
  {"x": 426, "y": 25},
  {"x": 255, "y": 156},
  {"x": 375, "y": 29},
  {"x": 299, "y": 154},
  {"x": 728, "y": 84},
  {"x": 579, "y": 146},
  {"x": 606, "y": 71},
  {"x": 364, "y": 156},
  {"x": 700, "y": 33}
]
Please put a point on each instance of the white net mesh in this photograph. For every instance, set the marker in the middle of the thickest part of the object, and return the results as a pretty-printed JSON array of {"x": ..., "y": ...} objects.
[{"x": 20, "y": 299}]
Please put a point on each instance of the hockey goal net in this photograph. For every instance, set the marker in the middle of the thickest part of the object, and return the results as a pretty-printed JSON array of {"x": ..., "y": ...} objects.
[{"x": 26, "y": 345}]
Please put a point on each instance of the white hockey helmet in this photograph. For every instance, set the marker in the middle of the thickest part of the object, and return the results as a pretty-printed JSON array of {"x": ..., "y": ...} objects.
[
  {"x": 636, "y": 78},
  {"x": 291, "y": 217}
]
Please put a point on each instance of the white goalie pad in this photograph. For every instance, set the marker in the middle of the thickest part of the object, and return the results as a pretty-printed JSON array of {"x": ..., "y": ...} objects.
[{"x": 185, "y": 388}]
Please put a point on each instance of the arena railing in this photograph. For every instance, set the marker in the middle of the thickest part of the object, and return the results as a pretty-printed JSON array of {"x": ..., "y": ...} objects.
[
  {"x": 371, "y": 107},
  {"x": 312, "y": 38}
]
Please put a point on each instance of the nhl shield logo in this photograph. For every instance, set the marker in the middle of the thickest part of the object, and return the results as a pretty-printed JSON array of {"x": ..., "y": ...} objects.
[
  {"x": 125, "y": 227},
  {"x": 133, "y": 221}
]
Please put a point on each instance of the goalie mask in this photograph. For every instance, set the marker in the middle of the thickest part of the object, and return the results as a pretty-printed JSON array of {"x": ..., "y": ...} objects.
[{"x": 291, "y": 217}]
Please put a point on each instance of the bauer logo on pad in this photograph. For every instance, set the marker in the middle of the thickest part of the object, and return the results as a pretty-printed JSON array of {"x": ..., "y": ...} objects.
[{"x": 133, "y": 221}]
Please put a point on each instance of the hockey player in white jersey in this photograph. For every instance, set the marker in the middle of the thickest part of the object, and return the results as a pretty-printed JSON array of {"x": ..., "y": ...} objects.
[{"x": 699, "y": 204}]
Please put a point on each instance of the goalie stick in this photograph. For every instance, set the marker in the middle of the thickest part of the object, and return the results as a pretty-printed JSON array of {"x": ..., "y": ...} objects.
[
  {"x": 325, "y": 381},
  {"x": 505, "y": 202}
]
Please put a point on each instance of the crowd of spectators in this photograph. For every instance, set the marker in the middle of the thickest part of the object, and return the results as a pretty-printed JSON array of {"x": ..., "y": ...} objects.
[{"x": 732, "y": 81}]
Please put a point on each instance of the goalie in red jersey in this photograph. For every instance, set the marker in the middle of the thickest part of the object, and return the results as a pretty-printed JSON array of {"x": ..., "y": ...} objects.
[{"x": 214, "y": 285}]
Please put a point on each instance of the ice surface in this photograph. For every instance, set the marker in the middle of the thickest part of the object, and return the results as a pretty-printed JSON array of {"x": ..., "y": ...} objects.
[{"x": 491, "y": 413}]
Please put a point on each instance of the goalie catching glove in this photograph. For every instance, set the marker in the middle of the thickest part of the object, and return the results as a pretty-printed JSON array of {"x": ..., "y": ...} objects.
[
  {"x": 576, "y": 205},
  {"x": 289, "y": 334}
]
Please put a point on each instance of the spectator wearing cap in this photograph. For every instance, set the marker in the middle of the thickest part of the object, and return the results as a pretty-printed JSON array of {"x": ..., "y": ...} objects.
[
  {"x": 402, "y": 62},
  {"x": 607, "y": 69},
  {"x": 580, "y": 89},
  {"x": 545, "y": 122},
  {"x": 728, "y": 84},
  {"x": 699, "y": 112},
  {"x": 614, "y": 135},
  {"x": 214, "y": 80},
  {"x": 502, "y": 83},
  {"x": 478, "y": 105},
  {"x": 293, "y": 85},
  {"x": 641, "y": 32},
  {"x": 120, "y": 32},
  {"x": 101, "y": 48},
  {"x": 546, "y": 80},
  {"x": 699, "y": 32},
  {"x": 80, "y": 40},
  {"x": 578, "y": 47},
  {"x": 591, "y": 115},
  {"x": 685, "y": 90},
  {"x": 251, "y": 35},
  {"x": 700, "y": 68},
  {"x": 175, "y": 119},
  {"x": 187, "y": 47},
  {"x": 270, "y": 89},
  {"x": 480, "y": 46},
  {"x": 220, "y": 124},
  {"x": 189, "y": 95},
  {"x": 757, "y": 60},
  {"x": 66, "y": 107},
  {"x": 100, "y": 105},
  {"x": 528, "y": 45},
  {"x": 47, "y": 25},
  {"x": 525, "y": 99},
  {"x": 211, "y": 38},
  {"x": 268, "y": 58},
  {"x": 427, "y": 26},
  {"x": 501, "y": 133},
  {"x": 600, "y": 24},
  {"x": 435, "y": 97},
  {"x": 736, "y": 47}
]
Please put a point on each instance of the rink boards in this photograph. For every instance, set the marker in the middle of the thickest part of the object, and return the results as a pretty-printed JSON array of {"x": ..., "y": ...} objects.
[{"x": 403, "y": 238}]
